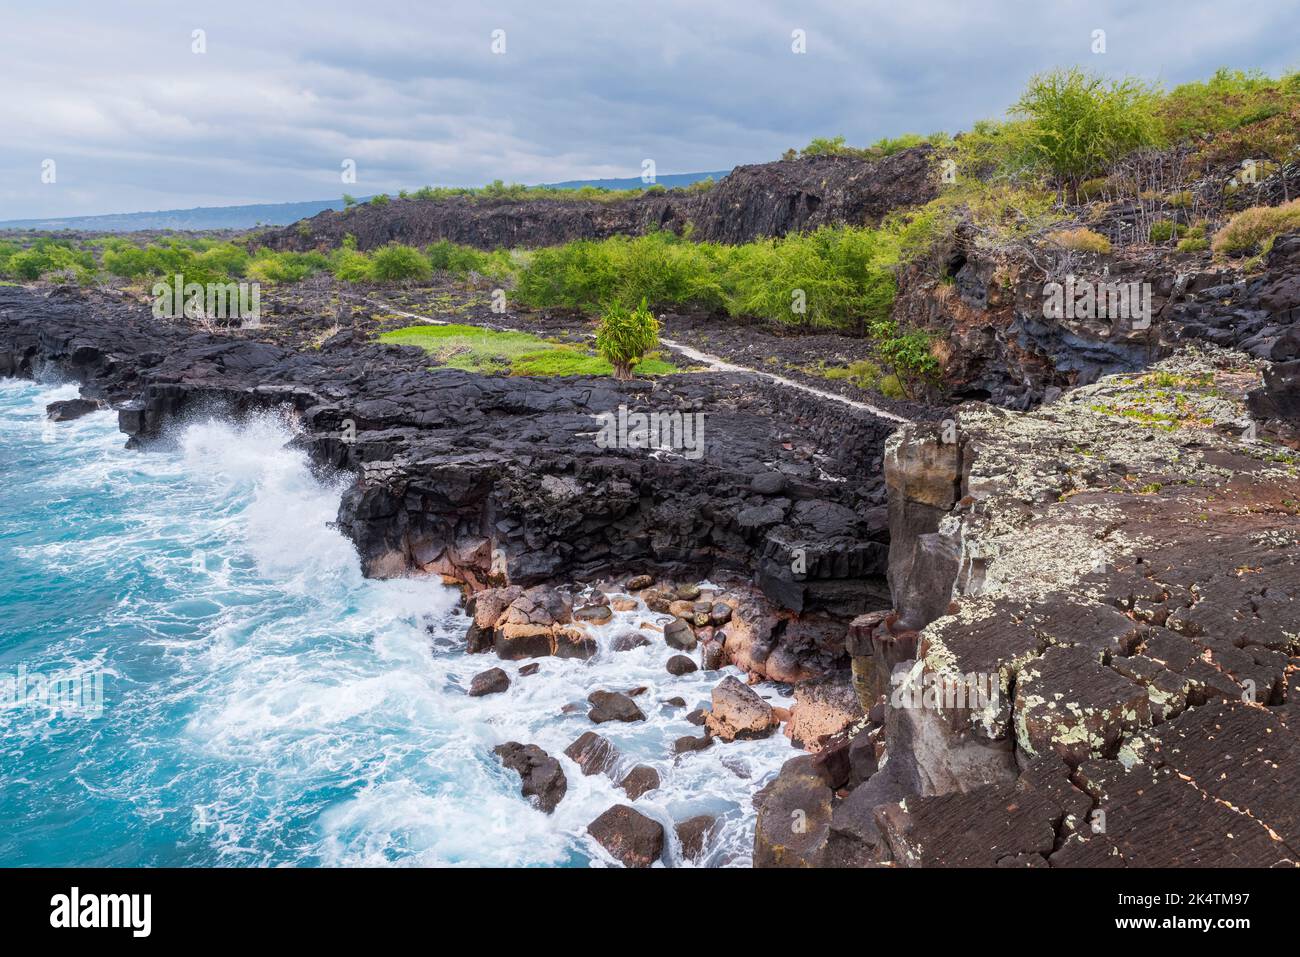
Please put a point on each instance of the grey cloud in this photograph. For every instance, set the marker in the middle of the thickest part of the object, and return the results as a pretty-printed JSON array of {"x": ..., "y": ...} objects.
[{"x": 413, "y": 93}]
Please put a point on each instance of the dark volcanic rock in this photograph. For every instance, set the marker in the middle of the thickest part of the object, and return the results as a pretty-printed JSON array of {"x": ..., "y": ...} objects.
[
  {"x": 794, "y": 818},
  {"x": 688, "y": 743},
  {"x": 492, "y": 481},
  {"x": 613, "y": 706},
  {"x": 593, "y": 753},
  {"x": 492, "y": 681},
  {"x": 630, "y": 836},
  {"x": 628, "y": 641},
  {"x": 543, "y": 778},
  {"x": 678, "y": 634},
  {"x": 693, "y": 834},
  {"x": 65, "y": 410},
  {"x": 770, "y": 199},
  {"x": 681, "y": 665},
  {"x": 639, "y": 780}
]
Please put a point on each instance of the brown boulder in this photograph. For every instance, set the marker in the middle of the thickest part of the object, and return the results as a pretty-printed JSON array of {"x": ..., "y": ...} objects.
[
  {"x": 738, "y": 712},
  {"x": 630, "y": 836},
  {"x": 628, "y": 640},
  {"x": 639, "y": 780},
  {"x": 592, "y": 753},
  {"x": 678, "y": 634},
  {"x": 688, "y": 743},
  {"x": 613, "y": 706},
  {"x": 484, "y": 608},
  {"x": 822, "y": 708},
  {"x": 693, "y": 833},
  {"x": 527, "y": 627},
  {"x": 794, "y": 819},
  {"x": 492, "y": 681},
  {"x": 681, "y": 665}
]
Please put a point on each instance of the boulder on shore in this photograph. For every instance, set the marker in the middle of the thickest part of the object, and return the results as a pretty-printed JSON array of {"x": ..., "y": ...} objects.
[
  {"x": 738, "y": 712},
  {"x": 593, "y": 753},
  {"x": 613, "y": 706},
  {"x": 542, "y": 776},
  {"x": 492, "y": 681},
  {"x": 633, "y": 838}
]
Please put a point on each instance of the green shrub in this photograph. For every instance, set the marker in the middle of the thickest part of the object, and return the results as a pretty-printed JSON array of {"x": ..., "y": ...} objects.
[
  {"x": 396, "y": 262},
  {"x": 268, "y": 266},
  {"x": 1080, "y": 123},
  {"x": 837, "y": 276},
  {"x": 1163, "y": 230},
  {"x": 48, "y": 258},
  {"x": 446, "y": 256},
  {"x": 1193, "y": 244},
  {"x": 379, "y": 200},
  {"x": 823, "y": 146},
  {"x": 225, "y": 258},
  {"x": 625, "y": 336},
  {"x": 909, "y": 356},
  {"x": 349, "y": 265}
]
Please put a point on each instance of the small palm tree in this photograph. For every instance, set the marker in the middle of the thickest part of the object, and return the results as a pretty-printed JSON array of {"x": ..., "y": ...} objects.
[{"x": 625, "y": 336}]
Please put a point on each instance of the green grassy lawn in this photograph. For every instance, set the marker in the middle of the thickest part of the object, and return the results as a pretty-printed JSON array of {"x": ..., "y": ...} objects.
[{"x": 475, "y": 349}]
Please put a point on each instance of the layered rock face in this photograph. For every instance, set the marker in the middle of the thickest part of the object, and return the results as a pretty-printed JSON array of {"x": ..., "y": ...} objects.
[
  {"x": 1094, "y": 650},
  {"x": 501, "y": 481},
  {"x": 999, "y": 345},
  {"x": 752, "y": 202}
]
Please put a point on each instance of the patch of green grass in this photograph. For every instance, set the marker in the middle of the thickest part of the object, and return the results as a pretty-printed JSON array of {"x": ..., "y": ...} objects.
[
  {"x": 475, "y": 349},
  {"x": 568, "y": 361}
]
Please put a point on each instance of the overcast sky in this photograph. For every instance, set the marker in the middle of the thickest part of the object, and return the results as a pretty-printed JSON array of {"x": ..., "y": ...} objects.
[{"x": 414, "y": 94}]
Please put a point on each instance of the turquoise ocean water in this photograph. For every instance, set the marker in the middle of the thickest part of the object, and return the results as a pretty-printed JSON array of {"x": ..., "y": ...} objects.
[{"x": 194, "y": 672}]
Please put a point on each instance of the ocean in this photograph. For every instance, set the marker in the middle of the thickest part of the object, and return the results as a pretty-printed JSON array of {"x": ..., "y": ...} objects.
[{"x": 193, "y": 671}]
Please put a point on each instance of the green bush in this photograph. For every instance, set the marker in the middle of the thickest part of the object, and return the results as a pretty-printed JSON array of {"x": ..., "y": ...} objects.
[
  {"x": 1079, "y": 123},
  {"x": 397, "y": 262},
  {"x": 1164, "y": 230},
  {"x": 47, "y": 258},
  {"x": 837, "y": 276},
  {"x": 625, "y": 336},
  {"x": 1193, "y": 244},
  {"x": 908, "y": 355},
  {"x": 268, "y": 266},
  {"x": 349, "y": 265}
]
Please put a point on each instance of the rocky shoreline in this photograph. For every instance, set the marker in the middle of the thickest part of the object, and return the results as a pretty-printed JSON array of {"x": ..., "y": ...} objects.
[{"x": 1050, "y": 562}]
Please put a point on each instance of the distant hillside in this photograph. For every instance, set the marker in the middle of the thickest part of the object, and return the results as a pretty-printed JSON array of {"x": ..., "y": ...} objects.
[
  {"x": 275, "y": 214},
  {"x": 201, "y": 217}
]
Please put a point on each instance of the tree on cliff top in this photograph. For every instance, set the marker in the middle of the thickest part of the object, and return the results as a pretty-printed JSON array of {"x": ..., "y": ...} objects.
[{"x": 625, "y": 336}]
